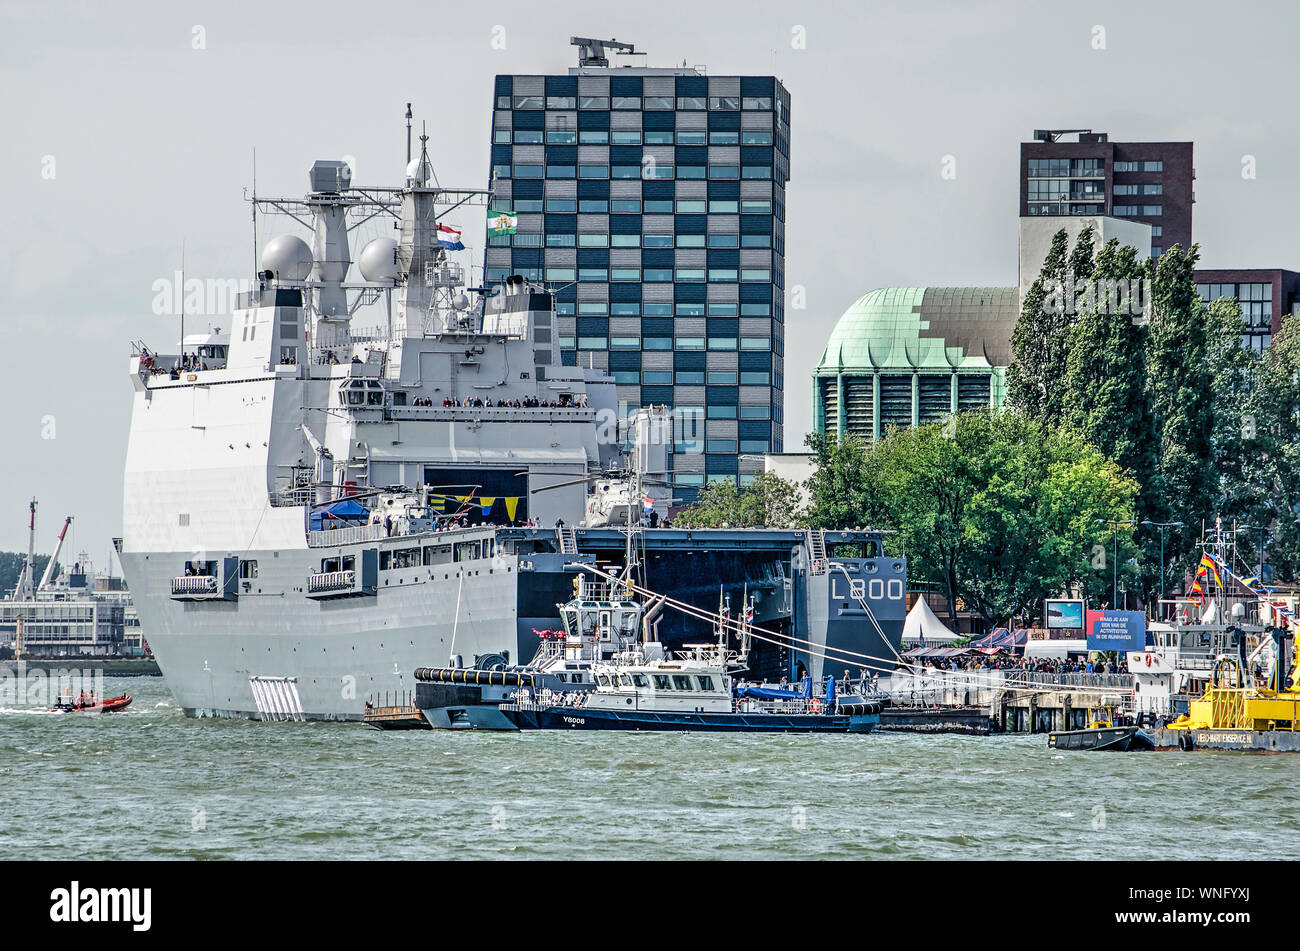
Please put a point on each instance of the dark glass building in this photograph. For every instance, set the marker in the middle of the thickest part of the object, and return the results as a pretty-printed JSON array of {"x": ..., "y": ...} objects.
[
  {"x": 652, "y": 203},
  {"x": 1150, "y": 182},
  {"x": 1266, "y": 295}
]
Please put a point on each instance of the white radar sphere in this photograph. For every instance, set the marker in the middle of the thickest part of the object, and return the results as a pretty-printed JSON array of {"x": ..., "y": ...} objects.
[
  {"x": 287, "y": 257},
  {"x": 378, "y": 260}
]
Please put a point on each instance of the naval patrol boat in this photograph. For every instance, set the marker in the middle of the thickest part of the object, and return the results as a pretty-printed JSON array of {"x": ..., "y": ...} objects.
[{"x": 311, "y": 511}]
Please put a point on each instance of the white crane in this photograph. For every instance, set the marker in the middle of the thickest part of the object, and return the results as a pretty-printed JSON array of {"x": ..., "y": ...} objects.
[{"x": 50, "y": 565}]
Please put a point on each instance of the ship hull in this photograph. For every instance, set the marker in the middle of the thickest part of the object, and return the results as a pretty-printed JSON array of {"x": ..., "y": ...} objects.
[
  {"x": 581, "y": 718},
  {"x": 271, "y": 652},
  {"x": 1248, "y": 741}
]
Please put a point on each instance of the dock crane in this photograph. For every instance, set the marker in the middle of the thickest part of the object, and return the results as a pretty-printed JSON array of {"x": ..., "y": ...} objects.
[
  {"x": 591, "y": 52},
  {"x": 52, "y": 564}
]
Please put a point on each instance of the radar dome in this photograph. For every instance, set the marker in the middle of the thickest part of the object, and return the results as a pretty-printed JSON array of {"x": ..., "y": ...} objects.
[
  {"x": 287, "y": 257},
  {"x": 378, "y": 260}
]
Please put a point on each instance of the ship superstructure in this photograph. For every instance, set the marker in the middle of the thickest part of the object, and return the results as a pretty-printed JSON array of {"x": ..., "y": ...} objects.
[{"x": 310, "y": 512}]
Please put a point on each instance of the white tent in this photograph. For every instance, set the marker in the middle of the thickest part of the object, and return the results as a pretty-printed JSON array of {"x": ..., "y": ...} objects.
[{"x": 921, "y": 622}]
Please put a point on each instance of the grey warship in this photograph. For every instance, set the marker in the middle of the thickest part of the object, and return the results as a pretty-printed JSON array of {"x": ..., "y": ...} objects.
[{"x": 311, "y": 512}]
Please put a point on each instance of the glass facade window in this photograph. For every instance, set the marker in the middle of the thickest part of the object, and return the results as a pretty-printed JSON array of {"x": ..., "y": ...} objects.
[
  {"x": 653, "y": 282},
  {"x": 1152, "y": 211},
  {"x": 1153, "y": 166}
]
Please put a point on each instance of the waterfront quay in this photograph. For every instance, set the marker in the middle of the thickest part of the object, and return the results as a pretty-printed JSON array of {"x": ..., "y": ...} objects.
[{"x": 999, "y": 701}]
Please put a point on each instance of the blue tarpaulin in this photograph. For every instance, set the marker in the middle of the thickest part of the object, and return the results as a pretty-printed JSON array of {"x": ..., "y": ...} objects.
[
  {"x": 768, "y": 693},
  {"x": 338, "y": 514}
]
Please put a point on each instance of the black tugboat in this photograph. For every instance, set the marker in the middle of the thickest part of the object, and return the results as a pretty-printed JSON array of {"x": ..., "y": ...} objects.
[{"x": 1102, "y": 735}]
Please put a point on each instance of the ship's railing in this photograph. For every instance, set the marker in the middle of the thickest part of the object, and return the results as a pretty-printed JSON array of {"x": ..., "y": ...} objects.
[
  {"x": 344, "y": 536},
  {"x": 331, "y": 581},
  {"x": 491, "y": 413},
  {"x": 291, "y": 498},
  {"x": 194, "y": 584}
]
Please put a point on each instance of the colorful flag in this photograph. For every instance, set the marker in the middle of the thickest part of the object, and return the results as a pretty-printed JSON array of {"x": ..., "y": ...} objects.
[
  {"x": 502, "y": 222},
  {"x": 1209, "y": 567},
  {"x": 1197, "y": 593},
  {"x": 449, "y": 238}
]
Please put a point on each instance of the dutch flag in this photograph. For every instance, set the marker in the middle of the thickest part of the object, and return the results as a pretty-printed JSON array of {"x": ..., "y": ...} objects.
[{"x": 449, "y": 238}]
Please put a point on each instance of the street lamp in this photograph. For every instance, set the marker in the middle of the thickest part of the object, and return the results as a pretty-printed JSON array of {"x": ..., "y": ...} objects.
[
  {"x": 1114, "y": 560},
  {"x": 1162, "y": 526}
]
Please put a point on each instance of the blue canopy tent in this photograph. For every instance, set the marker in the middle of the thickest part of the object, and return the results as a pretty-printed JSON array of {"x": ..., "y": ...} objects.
[{"x": 338, "y": 515}]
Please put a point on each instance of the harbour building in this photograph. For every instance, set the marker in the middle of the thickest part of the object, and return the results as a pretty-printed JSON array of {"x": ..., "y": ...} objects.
[
  {"x": 651, "y": 203},
  {"x": 1069, "y": 172},
  {"x": 907, "y": 356}
]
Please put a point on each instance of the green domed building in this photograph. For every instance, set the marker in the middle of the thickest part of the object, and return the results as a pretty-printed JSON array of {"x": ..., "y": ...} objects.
[{"x": 907, "y": 356}]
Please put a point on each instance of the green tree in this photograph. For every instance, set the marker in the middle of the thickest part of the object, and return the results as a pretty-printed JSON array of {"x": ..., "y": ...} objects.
[
  {"x": 839, "y": 494},
  {"x": 994, "y": 508},
  {"x": 11, "y": 566},
  {"x": 1260, "y": 471},
  {"x": 1182, "y": 397},
  {"x": 1041, "y": 339},
  {"x": 1106, "y": 374},
  {"x": 767, "y": 501},
  {"x": 1037, "y": 342}
]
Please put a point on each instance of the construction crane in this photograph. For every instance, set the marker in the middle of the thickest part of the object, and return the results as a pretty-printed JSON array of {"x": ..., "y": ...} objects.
[
  {"x": 50, "y": 565},
  {"x": 592, "y": 52}
]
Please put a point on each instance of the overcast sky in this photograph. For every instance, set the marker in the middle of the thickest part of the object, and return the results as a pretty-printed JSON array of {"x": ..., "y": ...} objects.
[{"x": 150, "y": 143}]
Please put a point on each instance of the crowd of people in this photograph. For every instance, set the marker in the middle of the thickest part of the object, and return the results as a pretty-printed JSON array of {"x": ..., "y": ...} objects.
[
  {"x": 528, "y": 402},
  {"x": 1040, "y": 665},
  {"x": 188, "y": 363}
]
